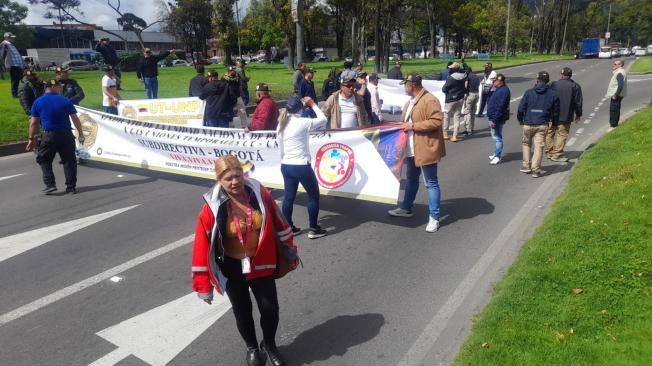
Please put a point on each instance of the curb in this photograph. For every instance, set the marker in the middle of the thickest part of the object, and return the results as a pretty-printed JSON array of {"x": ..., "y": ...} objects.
[{"x": 13, "y": 149}]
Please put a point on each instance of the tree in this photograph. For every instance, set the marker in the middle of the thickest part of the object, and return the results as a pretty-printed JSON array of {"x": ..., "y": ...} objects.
[
  {"x": 224, "y": 28},
  {"x": 59, "y": 10},
  {"x": 11, "y": 15},
  {"x": 130, "y": 22},
  {"x": 190, "y": 20}
]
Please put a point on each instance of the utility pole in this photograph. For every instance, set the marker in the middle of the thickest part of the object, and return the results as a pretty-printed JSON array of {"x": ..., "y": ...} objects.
[
  {"x": 237, "y": 15},
  {"x": 563, "y": 40},
  {"x": 608, "y": 35},
  {"x": 299, "y": 29},
  {"x": 509, "y": 7}
]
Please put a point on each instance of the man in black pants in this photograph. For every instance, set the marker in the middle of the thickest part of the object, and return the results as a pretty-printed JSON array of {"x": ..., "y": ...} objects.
[
  {"x": 616, "y": 92},
  {"x": 12, "y": 60},
  {"x": 54, "y": 113}
]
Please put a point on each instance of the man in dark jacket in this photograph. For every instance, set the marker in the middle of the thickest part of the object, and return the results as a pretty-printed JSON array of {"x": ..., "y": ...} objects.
[
  {"x": 498, "y": 114},
  {"x": 69, "y": 87},
  {"x": 147, "y": 71},
  {"x": 395, "y": 73},
  {"x": 109, "y": 55},
  {"x": 307, "y": 89},
  {"x": 331, "y": 84},
  {"x": 539, "y": 106},
  {"x": 29, "y": 89},
  {"x": 570, "y": 109},
  {"x": 455, "y": 90},
  {"x": 197, "y": 83},
  {"x": 470, "y": 101},
  {"x": 443, "y": 76},
  {"x": 298, "y": 76},
  {"x": 220, "y": 96},
  {"x": 265, "y": 116}
]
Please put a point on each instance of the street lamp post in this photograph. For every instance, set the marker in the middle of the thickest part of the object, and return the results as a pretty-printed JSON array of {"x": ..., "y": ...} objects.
[
  {"x": 509, "y": 6},
  {"x": 237, "y": 15}
]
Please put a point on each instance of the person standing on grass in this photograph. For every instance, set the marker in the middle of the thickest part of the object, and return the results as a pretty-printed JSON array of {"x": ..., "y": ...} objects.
[
  {"x": 293, "y": 135},
  {"x": 470, "y": 101},
  {"x": 54, "y": 113},
  {"x": 110, "y": 96},
  {"x": 487, "y": 83},
  {"x": 298, "y": 76},
  {"x": 307, "y": 89},
  {"x": 395, "y": 73},
  {"x": 421, "y": 119},
  {"x": 221, "y": 95},
  {"x": 12, "y": 60},
  {"x": 110, "y": 56},
  {"x": 147, "y": 71},
  {"x": 265, "y": 116},
  {"x": 539, "y": 106},
  {"x": 570, "y": 109},
  {"x": 616, "y": 92},
  {"x": 197, "y": 82},
  {"x": 70, "y": 87},
  {"x": 244, "y": 81},
  {"x": 498, "y": 114},
  {"x": 29, "y": 90}
]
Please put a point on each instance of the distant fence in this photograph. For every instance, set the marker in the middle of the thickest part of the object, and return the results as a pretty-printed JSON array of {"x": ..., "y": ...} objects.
[
  {"x": 446, "y": 57},
  {"x": 484, "y": 56}
]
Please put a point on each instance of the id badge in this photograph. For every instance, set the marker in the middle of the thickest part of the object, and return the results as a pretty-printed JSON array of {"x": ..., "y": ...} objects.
[{"x": 246, "y": 265}]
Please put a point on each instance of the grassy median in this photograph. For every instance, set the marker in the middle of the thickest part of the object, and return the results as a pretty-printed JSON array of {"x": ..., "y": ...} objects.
[
  {"x": 580, "y": 291},
  {"x": 642, "y": 65}
]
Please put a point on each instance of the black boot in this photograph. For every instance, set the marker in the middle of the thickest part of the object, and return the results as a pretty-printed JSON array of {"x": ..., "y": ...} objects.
[
  {"x": 272, "y": 353},
  {"x": 255, "y": 357}
]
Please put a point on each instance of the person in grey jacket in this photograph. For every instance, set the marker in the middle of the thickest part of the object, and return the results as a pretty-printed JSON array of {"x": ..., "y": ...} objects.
[
  {"x": 616, "y": 92},
  {"x": 455, "y": 90},
  {"x": 570, "y": 109},
  {"x": 298, "y": 76}
]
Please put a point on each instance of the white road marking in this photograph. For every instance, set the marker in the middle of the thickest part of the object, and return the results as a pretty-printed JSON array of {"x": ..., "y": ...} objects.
[
  {"x": 579, "y": 130},
  {"x": 13, "y": 245},
  {"x": 12, "y": 176},
  {"x": 119, "y": 175},
  {"x": 515, "y": 99},
  {"x": 587, "y": 121},
  {"x": 600, "y": 104},
  {"x": 74, "y": 288},
  {"x": 159, "y": 335},
  {"x": 592, "y": 114},
  {"x": 571, "y": 141},
  {"x": 596, "y": 109},
  {"x": 603, "y": 99},
  {"x": 115, "y": 279}
]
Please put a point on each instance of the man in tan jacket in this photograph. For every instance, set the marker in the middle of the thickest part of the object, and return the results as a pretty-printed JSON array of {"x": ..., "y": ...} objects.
[
  {"x": 422, "y": 120},
  {"x": 345, "y": 108}
]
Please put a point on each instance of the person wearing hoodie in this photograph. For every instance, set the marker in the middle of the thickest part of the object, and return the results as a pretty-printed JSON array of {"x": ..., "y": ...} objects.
[
  {"x": 570, "y": 109},
  {"x": 539, "y": 106},
  {"x": 498, "y": 114},
  {"x": 486, "y": 85},
  {"x": 331, "y": 84},
  {"x": 455, "y": 90}
]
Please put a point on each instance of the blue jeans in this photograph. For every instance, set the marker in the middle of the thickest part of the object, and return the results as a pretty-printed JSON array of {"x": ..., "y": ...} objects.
[
  {"x": 292, "y": 176},
  {"x": 217, "y": 122},
  {"x": 245, "y": 96},
  {"x": 111, "y": 110},
  {"x": 412, "y": 186},
  {"x": 497, "y": 135},
  {"x": 151, "y": 87}
]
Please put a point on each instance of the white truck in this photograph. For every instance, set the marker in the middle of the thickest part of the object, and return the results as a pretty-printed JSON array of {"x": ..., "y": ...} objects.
[{"x": 44, "y": 57}]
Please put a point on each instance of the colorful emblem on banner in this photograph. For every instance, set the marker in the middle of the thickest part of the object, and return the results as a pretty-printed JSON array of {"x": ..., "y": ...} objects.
[{"x": 334, "y": 165}]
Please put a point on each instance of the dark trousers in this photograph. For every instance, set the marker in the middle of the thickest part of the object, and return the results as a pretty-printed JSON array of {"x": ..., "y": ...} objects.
[
  {"x": 614, "y": 111},
  {"x": 16, "y": 74},
  {"x": 483, "y": 102},
  {"x": 292, "y": 176},
  {"x": 118, "y": 73},
  {"x": 62, "y": 142},
  {"x": 264, "y": 290}
]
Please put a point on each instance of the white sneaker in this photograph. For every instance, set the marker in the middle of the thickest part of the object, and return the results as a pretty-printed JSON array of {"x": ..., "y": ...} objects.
[
  {"x": 433, "y": 225},
  {"x": 495, "y": 160},
  {"x": 492, "y": 156},
  {"x": 399, "y": 212}
]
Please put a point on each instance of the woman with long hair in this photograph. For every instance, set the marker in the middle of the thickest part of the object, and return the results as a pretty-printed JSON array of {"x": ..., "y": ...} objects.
[
  {"x": 241, "y": 243},
  {"x": 293, "y": 133}
]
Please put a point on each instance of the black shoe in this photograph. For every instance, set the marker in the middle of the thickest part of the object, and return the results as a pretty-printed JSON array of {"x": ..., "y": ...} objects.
[
  {"x": 295, "y": 230},
  {"x": 316, "y": 232},
  {"x": 479, "y": 115},
  {"x": 255, "y": 357},
  {"x": 49, "y": 189},
  {"x": 60, "y": 161},
  {"x": 272, "y": 353},
  {"x": 71, "y": 190}
]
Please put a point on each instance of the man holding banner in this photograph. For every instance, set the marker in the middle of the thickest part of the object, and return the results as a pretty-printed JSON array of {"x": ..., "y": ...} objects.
[
  {"x": 220, "y": 96},
  {"x": 422, "y": 120}
]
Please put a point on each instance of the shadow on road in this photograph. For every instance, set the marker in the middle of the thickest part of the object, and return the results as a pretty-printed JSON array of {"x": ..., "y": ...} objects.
[{"x": 332, "y": 338}]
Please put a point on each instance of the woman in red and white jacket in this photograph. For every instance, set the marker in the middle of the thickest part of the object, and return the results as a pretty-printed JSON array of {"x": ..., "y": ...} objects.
[{"x": 239, "y": 232}]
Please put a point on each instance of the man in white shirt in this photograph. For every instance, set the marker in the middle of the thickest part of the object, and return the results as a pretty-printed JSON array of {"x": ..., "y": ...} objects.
[
  {"x": 110, "y": 95},
  {"x": 376, "y": 103},
  {"x": 345, "y": 108}
]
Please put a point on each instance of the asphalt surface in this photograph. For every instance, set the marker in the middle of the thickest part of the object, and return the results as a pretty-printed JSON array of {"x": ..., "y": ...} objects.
[{"x": 376, "y": 291}]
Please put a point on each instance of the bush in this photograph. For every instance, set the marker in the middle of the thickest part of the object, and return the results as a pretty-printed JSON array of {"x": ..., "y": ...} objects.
[
  {"x": 171, "y": 57},
  {"x": 129, "y": 61}
]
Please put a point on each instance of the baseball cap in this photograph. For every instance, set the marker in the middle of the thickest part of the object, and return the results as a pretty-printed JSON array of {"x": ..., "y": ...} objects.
[
  {"x": 49, "y": 83},
  {"x": 500, "y": 77},
  {"x": 454, "y": 65},
  {"x": 543, "y": 76},
  {"x": 294, "y": 104},
  {"x": 262, "y": 87},
  {"x": 28, "y": 72},
  {"x": 9, "y": 35},
  {"x": 212, "y": 73},
  {"x": 347, "y": 75},
  {"x": 566, "y": 71},
  {"x": 362, "y": 75},
  {"x": 412, "y": 77},
  {"x": 374, "y": 76},
  {"x": 348, "y": 81},
  {"x": 61, "y": 69}
]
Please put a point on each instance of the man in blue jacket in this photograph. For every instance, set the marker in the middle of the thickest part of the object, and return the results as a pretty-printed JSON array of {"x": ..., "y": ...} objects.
[
  {"x": 539, "y": 106},
  {"x": 498, "y": 114}
]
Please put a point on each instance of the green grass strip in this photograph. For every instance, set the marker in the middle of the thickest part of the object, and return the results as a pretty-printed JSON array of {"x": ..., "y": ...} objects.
[
  {"x": 580, "y": 291},
  {"x": 642, "y": 65}
]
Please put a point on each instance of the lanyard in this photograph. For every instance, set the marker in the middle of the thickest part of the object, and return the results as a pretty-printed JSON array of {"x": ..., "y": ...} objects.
[{"x": 242, "y": 238}]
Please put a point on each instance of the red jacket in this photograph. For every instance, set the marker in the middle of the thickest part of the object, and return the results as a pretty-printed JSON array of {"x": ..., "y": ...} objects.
[
  {"x": 265, "y": 116},
  {"x": 208, "y": 245}
]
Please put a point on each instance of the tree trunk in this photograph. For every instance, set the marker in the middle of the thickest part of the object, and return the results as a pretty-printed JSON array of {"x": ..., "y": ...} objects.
[
  {"x": 354, "y": 47},
  {"x": 377, "y": 46},
  {"x": 339, "y": 32}
]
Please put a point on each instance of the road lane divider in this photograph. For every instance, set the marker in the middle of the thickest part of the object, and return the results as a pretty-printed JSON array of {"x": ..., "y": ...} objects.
[{"x": 12, "y": 176}]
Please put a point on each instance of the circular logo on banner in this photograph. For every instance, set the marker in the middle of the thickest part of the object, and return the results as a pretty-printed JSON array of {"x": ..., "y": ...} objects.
[{"x": 335, "y": 164}]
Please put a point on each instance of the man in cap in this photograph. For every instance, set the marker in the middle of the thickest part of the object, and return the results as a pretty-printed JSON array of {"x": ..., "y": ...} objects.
[
  {"x": 395, "y": 73},
  {"x": 221, "y": 95},
  {"x": 29, "y": 90},
  {"x": 539, "y": 106},
  {"x": 12, "y": 60},
  {"x": 570, "y": 109},
  {"x": 147, "y": 71},
  {"x": 359, "y": 68},
  {"x": 69, "y": 87},
  {"x": 455, "y": 90},
  {"x": 345, "y": 108},
  {"x": 486, "y": 85},
  {"x": 265, "y": 116},
  {"x": 110, "y": 95},
  {"x": 54, "y": 112},
  {"x": 498, "y": 114},
  {"x": 616, "y": 92},
  {"x": 470, "y": 101},
  {"x": 307, "y": 89},
  {"x": 348, "y": 72},
  {"x": 376, "y": 115},
  {"x": 421, "y": 119},
  {"x": 362, "y": 89},
  {"x": 197, "y": 82},
  {"x": 109, "y": 55},
  {"x": 298, "y": 76}
]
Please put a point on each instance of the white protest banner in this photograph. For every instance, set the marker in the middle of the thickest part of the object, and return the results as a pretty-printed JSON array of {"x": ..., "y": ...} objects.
[
  {"x": 362, "y": 163},
  {"x": 393, "y": 94},
  {"x": 176, "y": 111}
]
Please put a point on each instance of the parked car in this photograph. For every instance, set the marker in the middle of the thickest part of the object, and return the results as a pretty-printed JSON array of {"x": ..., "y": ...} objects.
[
  {"x": 204, "y": 62},
  {"x": 79, "y": 65},
  {"x": 215, "y": 59},
  {"x": 625, "y": 52},
  {"x": 615, "y": 52},
  {"x": 640, "y": 52},
  {"x": 605, "y": 52},
  {"x": 180, "y": 63},
  {"x": 649, "y": 49},
  {"x": 320, "y": 59}
]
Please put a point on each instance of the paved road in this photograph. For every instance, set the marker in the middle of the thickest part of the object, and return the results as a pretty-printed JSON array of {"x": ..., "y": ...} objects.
[{"x": 103, "y": 277}]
